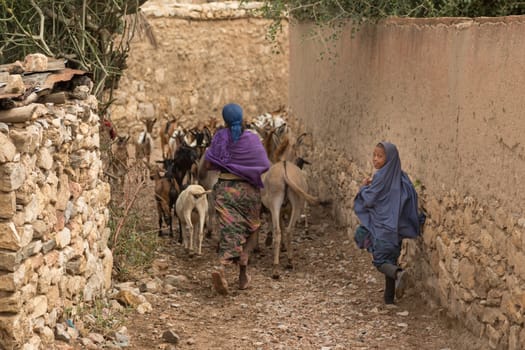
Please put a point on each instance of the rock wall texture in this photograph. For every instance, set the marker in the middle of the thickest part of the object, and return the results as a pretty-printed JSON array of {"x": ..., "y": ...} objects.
[
  {"x": 53, "y": 221},
  {"x": 207, "y": 55},
  {"x": 447, "y": 92}
]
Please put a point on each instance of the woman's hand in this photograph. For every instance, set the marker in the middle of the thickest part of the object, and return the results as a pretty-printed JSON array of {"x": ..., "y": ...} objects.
[{"x": 366, "y": 181}]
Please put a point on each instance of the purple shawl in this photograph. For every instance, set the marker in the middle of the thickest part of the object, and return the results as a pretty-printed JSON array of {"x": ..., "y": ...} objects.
[
  {"x": 246, "y": 158},
  {"x": 388, "y": 206}
]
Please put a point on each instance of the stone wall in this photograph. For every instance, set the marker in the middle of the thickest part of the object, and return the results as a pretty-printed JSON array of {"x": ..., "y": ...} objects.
[
  {"x": 207, "y": 55},
  {"x": 447, "y": 92},
  {"x": 53, "y": 221}
]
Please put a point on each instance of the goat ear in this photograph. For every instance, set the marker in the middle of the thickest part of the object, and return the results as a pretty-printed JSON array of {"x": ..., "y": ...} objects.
[{"x": 300, "y": 138}]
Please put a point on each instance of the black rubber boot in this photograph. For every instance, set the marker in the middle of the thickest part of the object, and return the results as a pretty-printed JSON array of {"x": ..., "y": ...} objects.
[{"x": 390, "y": 290}]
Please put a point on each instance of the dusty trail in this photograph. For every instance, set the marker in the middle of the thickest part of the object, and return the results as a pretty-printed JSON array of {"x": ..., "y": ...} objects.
[{"x": 332, "y": 300}]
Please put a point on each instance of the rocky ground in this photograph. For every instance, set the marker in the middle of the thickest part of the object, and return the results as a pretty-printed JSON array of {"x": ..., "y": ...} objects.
[{"x": 331, "y": 300}]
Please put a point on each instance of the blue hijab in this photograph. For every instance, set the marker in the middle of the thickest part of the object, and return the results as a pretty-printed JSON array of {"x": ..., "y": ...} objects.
[
  {"x": 232, "y": 115},
  {"x": 388, "y": 206}
]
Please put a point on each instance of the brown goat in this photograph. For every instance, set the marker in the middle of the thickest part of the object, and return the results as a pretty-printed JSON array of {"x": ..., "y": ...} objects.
[
  {"x": 165, "y": 134},
  {"x": 166, "y": 193}
]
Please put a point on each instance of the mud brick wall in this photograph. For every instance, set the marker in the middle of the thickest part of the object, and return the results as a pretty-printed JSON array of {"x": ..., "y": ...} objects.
[{"x": 447, "y": 92}]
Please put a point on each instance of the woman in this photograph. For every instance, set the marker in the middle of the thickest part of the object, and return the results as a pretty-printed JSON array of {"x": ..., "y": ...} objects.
[{"x": 241, "y": 159}]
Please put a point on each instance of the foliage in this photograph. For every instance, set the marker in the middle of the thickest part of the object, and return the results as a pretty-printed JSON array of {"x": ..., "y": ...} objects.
[
  {"x": 97, "y": 316},
  {"x": 93, "y": 35},
  {"x": 333, "y": 13},
  {"x": 133, "y": 242},
  {"x": 324, "y": 11}
]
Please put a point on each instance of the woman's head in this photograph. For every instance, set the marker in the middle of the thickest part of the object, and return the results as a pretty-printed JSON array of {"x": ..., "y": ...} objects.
[{"x": 232, "y": 115}]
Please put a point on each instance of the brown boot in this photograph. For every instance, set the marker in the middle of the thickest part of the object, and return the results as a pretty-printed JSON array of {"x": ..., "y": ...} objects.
[
  {"x": 219, "y": 282},
  {"x": 244, "y": 278}
]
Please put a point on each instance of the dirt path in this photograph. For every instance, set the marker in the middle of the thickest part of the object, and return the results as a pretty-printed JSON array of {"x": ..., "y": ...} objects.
[{"x": 332, "y": 300}]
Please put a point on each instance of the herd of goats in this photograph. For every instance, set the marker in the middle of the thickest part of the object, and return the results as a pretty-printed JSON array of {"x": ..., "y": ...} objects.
[{"x": 184, "y": 188}]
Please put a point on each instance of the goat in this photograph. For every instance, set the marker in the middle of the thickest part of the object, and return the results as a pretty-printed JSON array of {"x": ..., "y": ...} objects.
[
  {"x": 166, "y": 195},
  {"x": 199, "y": 138},
  {"x": 192, "y": 201},
  {"x": 212, "y": 124},
  {"x": 176, "y": 140},
  {"x": 118, "y": 160},
  {"x": 207, "y": 178},
  {"x": 144, "y": 143},
  {"x": 183, "y": 164},
  {"x": 165, "y": 134},
  {"x": 284, "y": 180}
]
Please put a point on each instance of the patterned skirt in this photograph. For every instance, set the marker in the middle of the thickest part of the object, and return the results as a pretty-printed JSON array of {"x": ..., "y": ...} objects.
[{"x": 238, "y": 206}]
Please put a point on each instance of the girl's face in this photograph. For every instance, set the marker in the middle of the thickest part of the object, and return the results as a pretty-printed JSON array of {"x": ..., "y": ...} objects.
[{"x": 379, "y": 158}]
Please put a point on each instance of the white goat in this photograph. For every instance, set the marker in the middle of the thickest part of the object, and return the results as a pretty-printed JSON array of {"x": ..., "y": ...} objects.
[
  {"x": 284, "y": 180},
  {"x": 191, "y": 208}
]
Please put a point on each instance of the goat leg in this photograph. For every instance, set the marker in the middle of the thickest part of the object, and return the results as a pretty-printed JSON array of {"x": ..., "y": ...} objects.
[
  {"x": 161, "y": 217},
  {"x": 160, "y": 225},
  {"x": 276, "y": 243},
  {"x": 276, "y": 252},
  {"x": 170, "y": 224}
]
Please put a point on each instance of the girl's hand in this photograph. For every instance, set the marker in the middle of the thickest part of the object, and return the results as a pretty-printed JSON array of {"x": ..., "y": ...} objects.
[{"x": 366, "y": 181}]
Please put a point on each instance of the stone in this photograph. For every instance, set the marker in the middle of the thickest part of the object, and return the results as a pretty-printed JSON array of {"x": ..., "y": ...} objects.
[
  {"x": 76, "y": 266},
  {"x": 9, "y": 260},
  {"x": 12, "y": 176},
  {"x": 46, "y": 334},
  {"x": 7, "y": 149},
  {"x": 170, "y": 336},
  {"x": 11, "y": 303},
  {"x": 37, "y": 306},
  {"x": 10, "y": 282},
  {"x": 36, "y": 62},
  {"x": 45, "y": 159},
  {"x": 97, "y": 338},
  {"x": 48, "y": 246},
  {"x": 40, "y": 228},
  {"x": 494, "y": 336},
  {"x": 467, "y": 273},
  {"x": 31, "y": 249},
  {"x": 64, "y": 193},
  {"x": 7, "y": 204},
  {"x": 61, "y": 333},
  {"x": 63, "y": 238},
  {"x": 144, "y": 308},
  {"x": 107, "y": 265},
  {"x": 128, "y": 298},
  {"x": 27, "y": 140},
  {"x": 15, "y": 85},
  {"x": 10, "y": 238}
]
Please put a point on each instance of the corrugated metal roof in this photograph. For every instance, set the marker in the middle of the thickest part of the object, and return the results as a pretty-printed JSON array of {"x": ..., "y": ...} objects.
[{"x": 39, "y": 81}]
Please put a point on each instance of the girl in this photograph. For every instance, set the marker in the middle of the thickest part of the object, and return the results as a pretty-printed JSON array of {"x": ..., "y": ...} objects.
[{"x": 386, "y": 206}]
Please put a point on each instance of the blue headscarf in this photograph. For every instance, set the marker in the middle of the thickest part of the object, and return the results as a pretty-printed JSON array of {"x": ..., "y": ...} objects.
[
  {"x": 388, "y": 206},
  {"x": 232, "y": 115}
]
